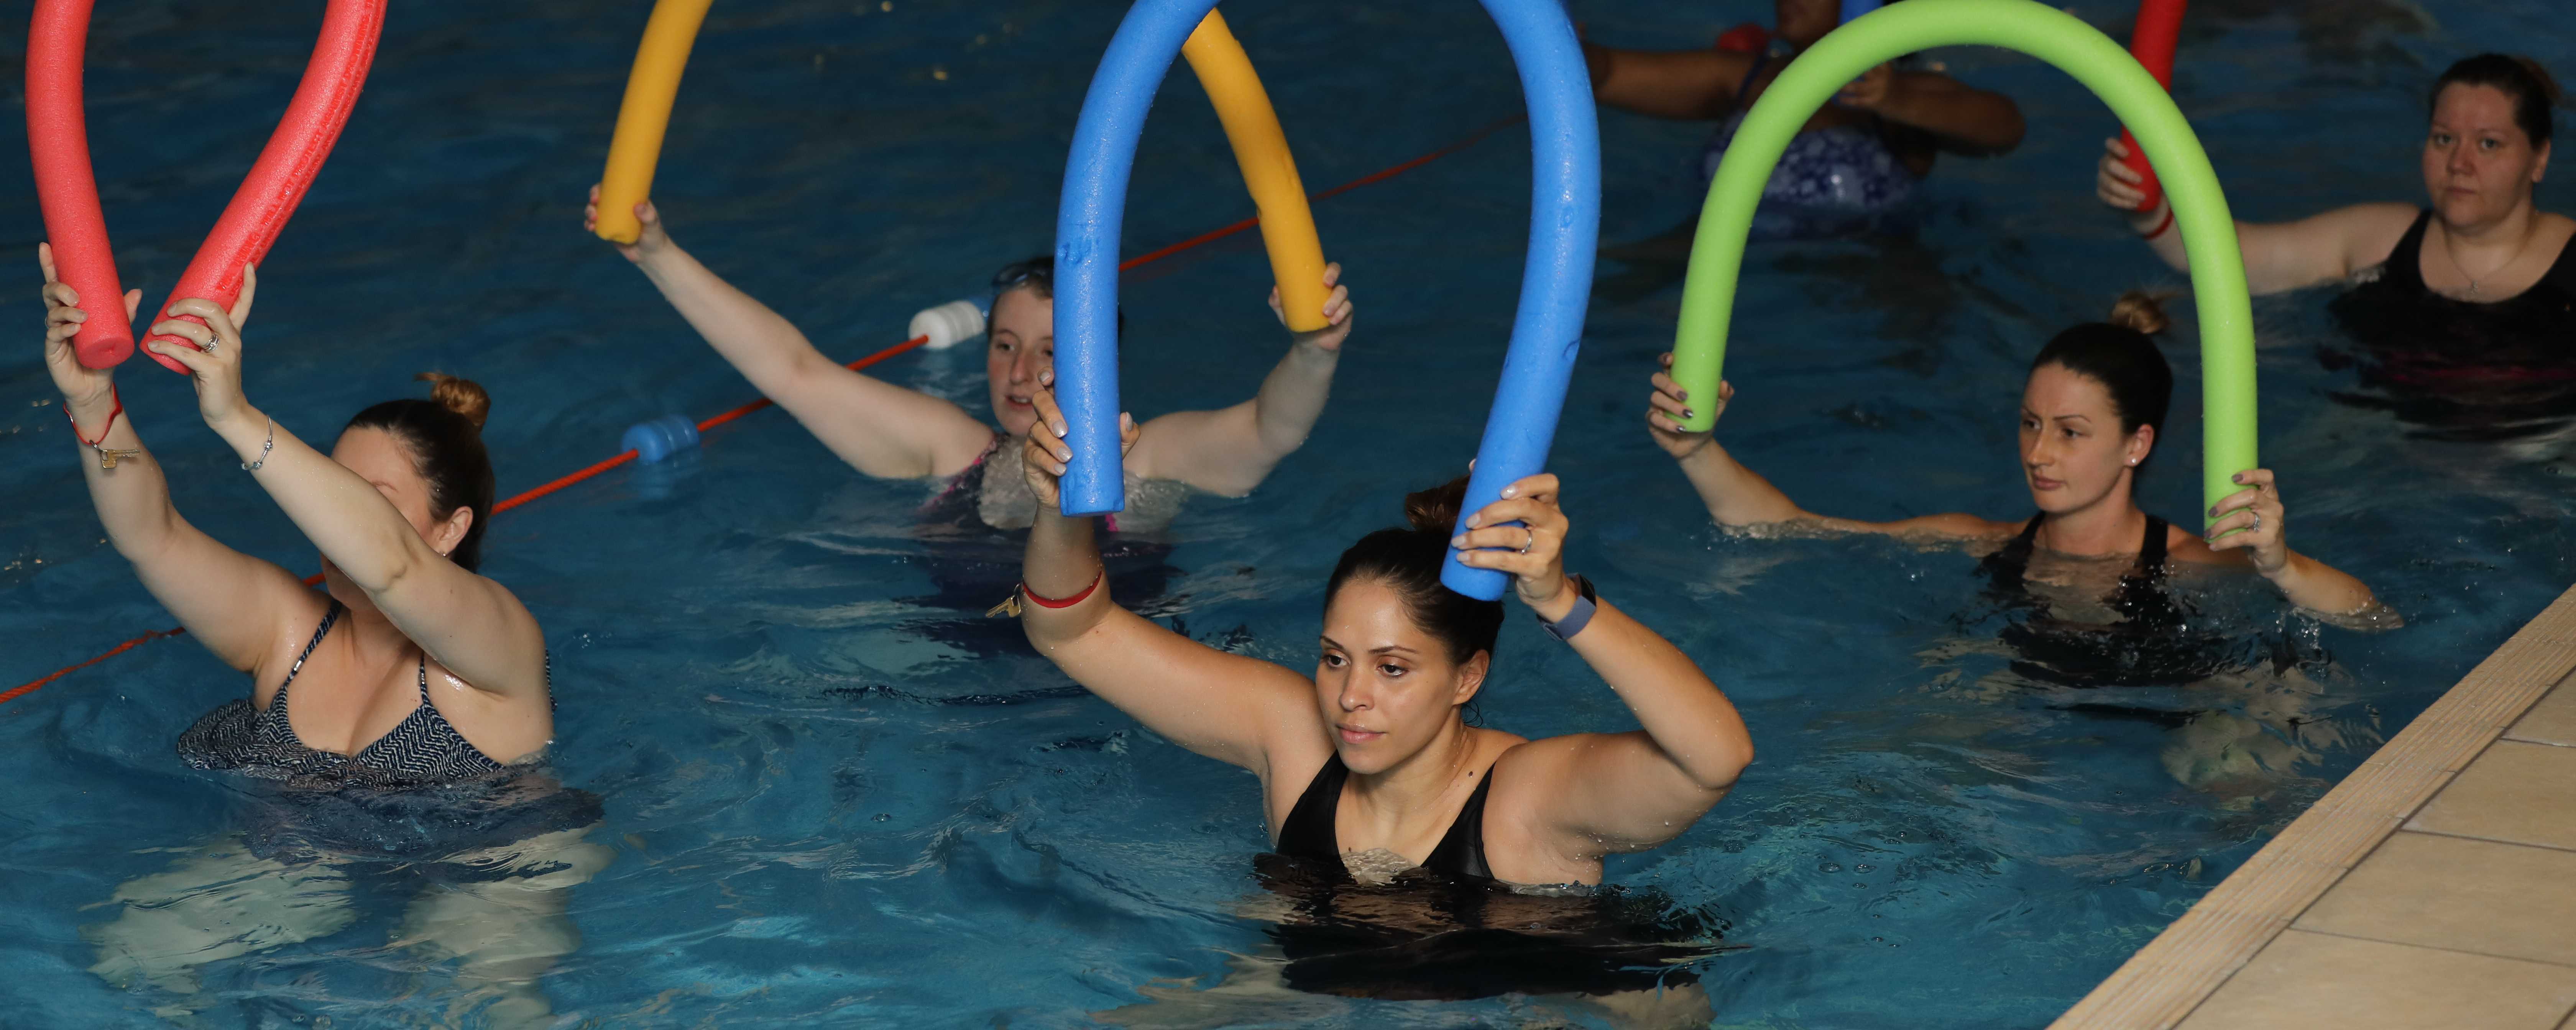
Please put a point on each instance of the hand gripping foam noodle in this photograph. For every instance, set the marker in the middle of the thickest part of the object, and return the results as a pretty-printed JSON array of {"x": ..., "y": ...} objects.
[
  {"x": 651, "y": 87},
  {"x": 1556, "y": 279},
  {"x": 58, "y": 140},
  {"x": 2152, "y": 42},
  {"x": 2200, "y": 209}
]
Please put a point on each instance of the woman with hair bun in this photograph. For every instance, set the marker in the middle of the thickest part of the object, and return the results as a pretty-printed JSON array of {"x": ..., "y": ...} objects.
[
  {"x": 412, "y": 692},
  {"x": 2090, "y": 413},
  {"x": 1369, "y": 767}
]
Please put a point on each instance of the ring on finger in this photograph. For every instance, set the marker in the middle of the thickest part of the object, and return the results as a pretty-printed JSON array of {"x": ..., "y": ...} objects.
[
  {"x": 1533, "y": 539},
  {"x": 2258, "y": 522}
]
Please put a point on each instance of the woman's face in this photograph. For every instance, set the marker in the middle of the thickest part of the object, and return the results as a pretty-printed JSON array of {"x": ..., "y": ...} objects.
[
  {"x": 1020, "y": 345},
  {"x": 2073, "y": 453},
  {"x": 1385, "y": 687},
  {"x": 2478, "y": 165},
  {"x": 382, "y": 460}
]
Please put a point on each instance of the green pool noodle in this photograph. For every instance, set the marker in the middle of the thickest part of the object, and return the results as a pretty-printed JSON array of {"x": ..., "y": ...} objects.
[{"x": 2200, "y": 209}]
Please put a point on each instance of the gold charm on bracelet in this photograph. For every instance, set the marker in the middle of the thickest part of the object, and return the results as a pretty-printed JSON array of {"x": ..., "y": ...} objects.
[{"x": 108, "y": 456}]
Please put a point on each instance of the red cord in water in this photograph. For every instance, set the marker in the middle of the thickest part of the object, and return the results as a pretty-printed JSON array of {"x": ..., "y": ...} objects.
[{"x": 626, "y": 456}]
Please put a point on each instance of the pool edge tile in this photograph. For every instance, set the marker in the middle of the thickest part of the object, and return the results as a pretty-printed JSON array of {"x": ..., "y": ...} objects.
[{"x": 2161, "y": 985}]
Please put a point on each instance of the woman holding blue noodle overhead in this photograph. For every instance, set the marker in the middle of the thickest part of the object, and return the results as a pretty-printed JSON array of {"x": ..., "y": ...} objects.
[
  {"x": 2091, "y": 410},
  {"x": 1369, "y": 769}
]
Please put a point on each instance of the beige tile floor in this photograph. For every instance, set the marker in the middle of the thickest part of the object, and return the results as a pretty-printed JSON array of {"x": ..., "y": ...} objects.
[{"x": 2435, "y": 887}]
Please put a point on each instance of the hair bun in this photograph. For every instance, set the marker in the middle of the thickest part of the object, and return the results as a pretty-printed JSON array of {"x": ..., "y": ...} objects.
[
  {"x": 2140, "y": 312},
  {"x": 1437, "y": 509},
  {"x": 462, "y": 396},
  {"x": 2549, "y": 90}
]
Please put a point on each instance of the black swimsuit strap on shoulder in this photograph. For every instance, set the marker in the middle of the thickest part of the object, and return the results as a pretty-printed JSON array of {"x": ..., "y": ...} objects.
[
  {"x": 2405, "y": 266},
  {"x": 1310, "y": 831},
  {"x": 2010, "y": 563}
]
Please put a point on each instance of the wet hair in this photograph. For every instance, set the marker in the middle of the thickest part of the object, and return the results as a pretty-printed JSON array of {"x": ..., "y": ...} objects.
[
  {"x": 2121, "y": 355},
  {"x": 444, "y": 436},
  {"x": 1036, "y": 275},
  {"x": 1410, "y": 560},
  {"x": 2521, "y": 79}
]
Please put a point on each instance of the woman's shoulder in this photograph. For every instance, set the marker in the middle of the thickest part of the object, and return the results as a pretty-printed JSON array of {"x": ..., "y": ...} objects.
[{"x": 2183, "y": 545}]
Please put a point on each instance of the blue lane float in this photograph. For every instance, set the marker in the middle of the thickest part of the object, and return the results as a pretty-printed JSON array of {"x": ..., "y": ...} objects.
[{"x": 1556, "y": 279}]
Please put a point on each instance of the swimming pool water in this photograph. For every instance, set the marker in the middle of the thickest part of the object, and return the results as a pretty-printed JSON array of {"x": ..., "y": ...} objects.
[{"x": 823, "y": 816}]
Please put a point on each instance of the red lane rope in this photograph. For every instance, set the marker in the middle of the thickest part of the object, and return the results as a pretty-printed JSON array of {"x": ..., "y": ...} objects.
[{"x": 623, "y": 457}]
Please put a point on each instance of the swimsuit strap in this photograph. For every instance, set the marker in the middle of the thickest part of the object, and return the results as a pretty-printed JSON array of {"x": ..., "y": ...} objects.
[
  {"x": 2151, "y": 549},
  {"x": 1462, "y": 850},
  {"x": 1308, "y": 831},
  {"x": 2011, "y": 562},
  {"x": 2407, "y": 260},
  {"x": 2562, "y": 272},
  {"x": 424, "y": 680},
  {"x": 324, "y": 630}
]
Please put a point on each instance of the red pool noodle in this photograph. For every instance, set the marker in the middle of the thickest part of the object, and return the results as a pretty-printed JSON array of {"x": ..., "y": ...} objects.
[
  {"x": 2152, "y": 43},
  {"x": 286, "y": 167},
  {"x": 58, "y": 140}
]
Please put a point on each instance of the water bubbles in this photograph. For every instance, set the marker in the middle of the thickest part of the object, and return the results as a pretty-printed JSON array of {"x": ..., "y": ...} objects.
[
  {"x": 1830, "y": 867},
  {"x": 883, "y": 816},
  {"x": 1864, "y": 867}
]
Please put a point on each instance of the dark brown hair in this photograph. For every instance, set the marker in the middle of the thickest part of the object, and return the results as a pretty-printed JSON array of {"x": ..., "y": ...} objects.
[
  {"x": 2520, "y": 79},
  {"x": 2121, "y": 355},
  {"x": 444, "y": 436},
  {"x": 1409, "y": 560}
]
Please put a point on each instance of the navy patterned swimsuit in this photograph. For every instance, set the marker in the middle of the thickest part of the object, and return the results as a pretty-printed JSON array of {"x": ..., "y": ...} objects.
[
  {"x": 421, "y": 791},
  {"x": 1829, "y": 182}
]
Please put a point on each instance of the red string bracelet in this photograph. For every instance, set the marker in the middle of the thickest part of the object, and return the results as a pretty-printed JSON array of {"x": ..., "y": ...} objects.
[
  {"x": 102, "y": 430},
  {"x": 2163, "y": 225},
  {"x": 1049, "y": 602}
]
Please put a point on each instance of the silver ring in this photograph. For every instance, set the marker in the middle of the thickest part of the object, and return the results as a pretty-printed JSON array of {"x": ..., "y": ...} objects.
[
  {"x": 211, "y": 343},
  {"x": 2258, "y": 522},
  {"x": 1533, "y": 539}
]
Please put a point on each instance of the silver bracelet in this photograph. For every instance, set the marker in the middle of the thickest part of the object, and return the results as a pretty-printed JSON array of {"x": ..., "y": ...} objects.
[{"x": 253, "y": 466}]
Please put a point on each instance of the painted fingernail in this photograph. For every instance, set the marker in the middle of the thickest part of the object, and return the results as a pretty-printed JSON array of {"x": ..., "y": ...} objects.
[
  {"x": 1688, "y": 413},
  {"x": 1458, "y": 541},
  {"x": 1475, "y": 520},
  {"x": 1511, "y": 491}
]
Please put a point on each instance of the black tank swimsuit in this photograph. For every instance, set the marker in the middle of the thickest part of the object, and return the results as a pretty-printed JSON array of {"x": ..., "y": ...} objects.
[
  {"x": 2462, "y": 369},
  {"x": 1309, "y": 831},
  {"x": 2151, "y": 644},
  {"x": 1448, "y": 931}
]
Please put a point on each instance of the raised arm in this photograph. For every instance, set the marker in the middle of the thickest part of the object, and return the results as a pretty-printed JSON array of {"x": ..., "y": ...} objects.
[
  {"x": 1618, "y": 791},
  {"x": 881, "y": 429},
  {"x": 2306, "y": 582},
  {"x": 468, "y": 623},
  {"x": 1960, "y": 119},
  {"x": 1231, "y": 708},
  {"x": 2279, "y": 256},
  {"x": 1231, "y": 450},
  {"x": 1683, "y": 85},
  {"x": 1738, "y": 496},
  {"x": 239, "y": 607}
]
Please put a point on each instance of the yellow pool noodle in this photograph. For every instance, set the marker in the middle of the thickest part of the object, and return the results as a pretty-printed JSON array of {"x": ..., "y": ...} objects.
[
  {"x": 650, "y": 89},
  {"x": 1287, "y": 225}
]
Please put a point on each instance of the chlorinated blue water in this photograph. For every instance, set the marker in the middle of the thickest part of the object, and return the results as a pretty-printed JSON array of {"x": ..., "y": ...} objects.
[{"x": 819, "y": 813}]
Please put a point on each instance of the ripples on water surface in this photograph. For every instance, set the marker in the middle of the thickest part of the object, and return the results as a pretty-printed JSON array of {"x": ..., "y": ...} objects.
[{"x": 819, "y": 813}]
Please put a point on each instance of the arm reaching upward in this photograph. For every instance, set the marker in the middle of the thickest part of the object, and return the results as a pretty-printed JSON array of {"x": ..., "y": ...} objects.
[
  {"x": 881, "y": 429},
  {"x": 469, "y": 624},
  {"x": 241, "y": 608},
  {"x": 1231, "y": 450},
  {"x": 1234, "y": 709},
  {"x": 1619, "y": 791}
]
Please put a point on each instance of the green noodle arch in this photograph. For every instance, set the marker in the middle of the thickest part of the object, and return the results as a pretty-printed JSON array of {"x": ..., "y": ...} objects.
[{"x": 2200, "y": 209}]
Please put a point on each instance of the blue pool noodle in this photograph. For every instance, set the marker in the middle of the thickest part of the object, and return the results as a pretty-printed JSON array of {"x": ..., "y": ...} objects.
[{"x": 1556, "y": 279}]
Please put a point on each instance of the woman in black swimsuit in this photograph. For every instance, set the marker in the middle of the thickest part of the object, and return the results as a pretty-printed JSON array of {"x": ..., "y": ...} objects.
[
  {"x": 1369, "y": 766},
  {"x": 411, "y": 673},
  {"x": 2465, "y": 309},
  {"x": 2090, "y": 413}
]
